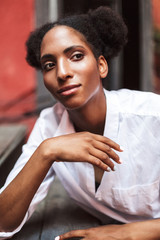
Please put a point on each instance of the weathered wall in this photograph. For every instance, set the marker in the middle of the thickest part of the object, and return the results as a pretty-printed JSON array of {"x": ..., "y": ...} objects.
[{"x": 17, "y": 79}]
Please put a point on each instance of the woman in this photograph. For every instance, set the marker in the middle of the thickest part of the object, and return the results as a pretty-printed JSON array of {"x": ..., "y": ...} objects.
[{"x": 79, "y": 138}]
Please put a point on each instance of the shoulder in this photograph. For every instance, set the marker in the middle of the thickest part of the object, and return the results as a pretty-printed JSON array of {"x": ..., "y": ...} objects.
[{"x": 137, "y": 102}]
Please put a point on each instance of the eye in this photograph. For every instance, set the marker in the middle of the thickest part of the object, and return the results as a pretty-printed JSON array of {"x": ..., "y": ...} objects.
[
  {"x": 77, "y": 56},
  {"x": 48, "y": 66}
]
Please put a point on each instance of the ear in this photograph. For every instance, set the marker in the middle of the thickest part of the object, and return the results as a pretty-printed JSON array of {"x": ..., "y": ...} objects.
[{"x": 103, "y": 66}]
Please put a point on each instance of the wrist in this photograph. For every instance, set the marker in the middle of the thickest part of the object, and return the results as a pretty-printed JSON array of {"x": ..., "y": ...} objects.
[
  {"x": 148, "y": 230},
  {"x": 46, "y": 151}
]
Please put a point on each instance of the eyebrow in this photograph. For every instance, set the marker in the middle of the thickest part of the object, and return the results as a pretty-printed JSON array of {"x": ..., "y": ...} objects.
[
  {"x": 72, "y": 47},
  {"x": 46, "y": 56}
]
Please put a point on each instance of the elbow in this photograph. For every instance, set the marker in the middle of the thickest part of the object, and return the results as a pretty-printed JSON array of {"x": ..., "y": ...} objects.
[
  {"x": 7, "y": 227},
  {"x": 7, "y": 223}
]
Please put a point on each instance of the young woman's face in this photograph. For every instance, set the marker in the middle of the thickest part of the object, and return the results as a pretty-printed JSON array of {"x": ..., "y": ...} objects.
[{"x": 70, "y": 71}]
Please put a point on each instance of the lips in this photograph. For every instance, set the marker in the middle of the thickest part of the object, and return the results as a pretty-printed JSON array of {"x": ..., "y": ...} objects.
[{"x": 69, "y": 89}]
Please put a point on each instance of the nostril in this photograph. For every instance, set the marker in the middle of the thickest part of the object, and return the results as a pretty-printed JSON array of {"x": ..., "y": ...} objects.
[{"x": 64, "y": 77}]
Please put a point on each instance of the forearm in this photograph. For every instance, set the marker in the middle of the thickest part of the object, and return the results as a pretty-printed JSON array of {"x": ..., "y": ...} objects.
[
  {"x": 147, "y": 230},
  {"x": 16, "y": 198},
  {"x": 84, "y": 147}
]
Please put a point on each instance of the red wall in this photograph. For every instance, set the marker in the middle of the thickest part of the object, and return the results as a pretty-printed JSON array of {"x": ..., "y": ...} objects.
[
  {"x": 17, "y": 79},
  {"x": 156, "y": 13},
  {"x": 156, "y": 24}
]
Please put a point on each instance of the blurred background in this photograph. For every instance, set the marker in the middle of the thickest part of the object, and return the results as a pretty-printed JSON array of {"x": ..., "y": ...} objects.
[{"x": 22, "y": 94}]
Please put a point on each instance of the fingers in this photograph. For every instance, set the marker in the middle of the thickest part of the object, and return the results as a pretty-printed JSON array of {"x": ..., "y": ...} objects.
[
  {"x": 75, "y": 233},
  {"x": 97, "y": 162},
  {"x": 107, "y": 152},
  {"x": 86, "y": 147},
  {"x": 108, "y": 142},
  {"x": 101, "y": 155},
  {"x": 101, "y": 150}
]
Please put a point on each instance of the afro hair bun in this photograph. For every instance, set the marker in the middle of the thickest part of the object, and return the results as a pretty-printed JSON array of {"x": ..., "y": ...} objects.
[
  {"x": 111, "y": 30},
  {"x": 103, "y": 29}
]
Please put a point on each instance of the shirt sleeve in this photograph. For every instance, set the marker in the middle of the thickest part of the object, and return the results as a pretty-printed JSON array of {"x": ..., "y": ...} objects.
[{"x": 28, "y": 149}]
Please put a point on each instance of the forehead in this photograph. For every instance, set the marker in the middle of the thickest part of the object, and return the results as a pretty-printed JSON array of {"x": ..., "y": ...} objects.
[{"x": 61, "y": 37}]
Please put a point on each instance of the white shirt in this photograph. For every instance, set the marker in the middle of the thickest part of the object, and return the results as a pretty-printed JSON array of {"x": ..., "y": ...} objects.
[{"x": 130, "y": 193}]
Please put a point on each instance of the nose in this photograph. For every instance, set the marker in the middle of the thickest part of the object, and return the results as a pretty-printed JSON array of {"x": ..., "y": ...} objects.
[{"x": 64, "y": 70}]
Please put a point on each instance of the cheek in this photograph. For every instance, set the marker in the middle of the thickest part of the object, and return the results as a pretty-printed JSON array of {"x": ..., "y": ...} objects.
[
  {"x": 49, "y": 83},
  {"x": 93, "y": 75},
  {"x": 89, "y": 69}
]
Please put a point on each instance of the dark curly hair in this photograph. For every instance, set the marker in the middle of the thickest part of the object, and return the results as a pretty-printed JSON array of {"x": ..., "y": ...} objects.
[{"x": 103, "y": 29}]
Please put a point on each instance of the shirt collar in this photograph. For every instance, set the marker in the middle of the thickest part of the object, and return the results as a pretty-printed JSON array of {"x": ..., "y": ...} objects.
[
  {"x": 65, "y": 126},
  {"x": 112, "y": 116},
  {"x": 111, "y": 123}
]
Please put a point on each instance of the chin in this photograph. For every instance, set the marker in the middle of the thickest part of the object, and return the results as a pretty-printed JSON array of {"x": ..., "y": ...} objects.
[{"x": 73, "y": 105}]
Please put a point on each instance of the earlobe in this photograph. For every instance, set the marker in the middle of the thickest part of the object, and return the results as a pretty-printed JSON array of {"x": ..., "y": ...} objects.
[{"x": 103, "y": 66}]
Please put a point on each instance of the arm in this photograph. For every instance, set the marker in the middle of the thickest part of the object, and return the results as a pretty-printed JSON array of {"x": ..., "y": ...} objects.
[
  {"x": 16, "y": 198},
  {"x": 84, "y": 147},
  {"x": 146, "y": 230}
]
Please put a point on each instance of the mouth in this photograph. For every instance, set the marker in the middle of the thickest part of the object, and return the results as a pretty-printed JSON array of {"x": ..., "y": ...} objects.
[{"x": 69, "y": 89}]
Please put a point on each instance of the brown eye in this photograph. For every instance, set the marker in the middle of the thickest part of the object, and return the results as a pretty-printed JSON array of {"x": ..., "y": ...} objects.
[
  {"x": 48, "y": 66},
  {"x": 77, "y": 56}
]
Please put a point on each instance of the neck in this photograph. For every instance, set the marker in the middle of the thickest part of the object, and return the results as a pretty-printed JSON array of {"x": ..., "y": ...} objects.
[{"x": 90, "y": 117}]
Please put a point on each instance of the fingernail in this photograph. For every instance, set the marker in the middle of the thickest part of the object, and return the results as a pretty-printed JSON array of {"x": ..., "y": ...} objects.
[
  {"x": 114, "y": 168},
  {"x": 57, "y": 238},
  {"x": 122, "y": 148},
  {"x": 108, "y": 170},
  {"x": 120, "y": 161}
]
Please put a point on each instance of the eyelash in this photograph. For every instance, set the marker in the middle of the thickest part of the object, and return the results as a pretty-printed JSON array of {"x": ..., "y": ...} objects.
[
  {"x": 80, "y": 56},
  {"x": 48, "y": 66}
]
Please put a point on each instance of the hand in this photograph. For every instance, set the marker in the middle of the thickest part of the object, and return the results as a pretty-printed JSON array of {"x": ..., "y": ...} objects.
[
  {"x": 147, "y": 230},
  {"x": 84, "y": 147},
  {"x": 109, "y": 232}
]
